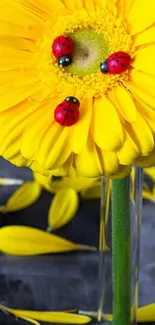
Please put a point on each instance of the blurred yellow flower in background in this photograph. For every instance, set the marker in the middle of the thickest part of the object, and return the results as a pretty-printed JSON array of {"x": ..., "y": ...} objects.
[
  {"x": 117, "y": 113},
  {"x": 54, "y": 184},
  {"x": 67, "y": 190}
]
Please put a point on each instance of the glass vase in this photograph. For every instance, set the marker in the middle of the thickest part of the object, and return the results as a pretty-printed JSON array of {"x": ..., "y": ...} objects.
[{"x": 120, "y": 221}]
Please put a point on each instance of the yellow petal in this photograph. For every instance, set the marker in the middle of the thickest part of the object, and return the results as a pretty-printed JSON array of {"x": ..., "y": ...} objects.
[
  {"x": 146, "y": 314},
  {"x": 149, "y": 196},
  {"x": 80, "y": 129},
  {"x": 13, "y": 154},
  {"x": 16, "y": 79},
  {"x": 143, "y": 59},
  {"x": 25, "y": 196},
  {"x": 109, "y": 162},
  {"x": 143, "y": 80},
  {"x": 124, "y": 103},
  {"x": 38, "y": 169},
  {"x": 12, "y": 97},
  {"x": 21, "y": 16},
  {"x": 11, "y": 141},
  {"x": 145, "y": 37},
  {"x": 120, "y": 8},
  {"x": 124, "y": 7},
  {"x": 100, "y": 3},
  {"x": 141, "y": 134},
  {"x": 13, "y": 59},
  {"x": 54, "y": 149},
  {"x": 45, "y": 6},
  {"x": 18, "y": 113},
  {"x": 93, "y": 192},
  {"x": 35, "y": 8},
  {"x": 148, "y": 113},
  {"x": 150, "y": 172},
  {"x": 141, "y": 15},
  {"x": 7, "y": 28},
  {"x": 63, "y": 208},
  {"x": 129, "y": 151},
  {"x": 33, "y": 135},
  {"x": 123, "y": 172},
  {"x": 18, "y": 43},
  {"x": 61, "y": 317},
  {"x": 32, "y": 321},
  {"x": 142, "y": 87},
  {"x": 87, "y": 162},
  {"x": 106, "y": 127},
  {"x": 21, "y": 240},
  {"x": 73, "y": 181},
  {"x": 44, "y": 181},
  {"x": 19, "y": 117},
  {"x": 89, "y": 4},
  {"x": 146, "y": 161},
  {"x": 73, "y": 4},
  {"x": 64, "y": 169},
  {"x": 44, "y": 10},
  {"x": 127, "y": 6},
  {"x": 78, "y": 183}
]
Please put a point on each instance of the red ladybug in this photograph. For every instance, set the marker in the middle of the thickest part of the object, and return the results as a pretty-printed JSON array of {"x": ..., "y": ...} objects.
[
  {"x": 116, "y": 63},
  {"x": 63, "y": 48},
  {"x": 67, "y": 113}
]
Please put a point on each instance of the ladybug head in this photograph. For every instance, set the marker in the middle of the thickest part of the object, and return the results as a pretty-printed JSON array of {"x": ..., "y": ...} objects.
[
  {"x": 65, "y": 60},
  {"x": 73, "y": 100},
  {"x": 104, "y": 66}
]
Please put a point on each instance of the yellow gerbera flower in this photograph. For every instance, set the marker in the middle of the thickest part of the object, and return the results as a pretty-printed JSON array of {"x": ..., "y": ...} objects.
[{"x": 117, "y": 112}]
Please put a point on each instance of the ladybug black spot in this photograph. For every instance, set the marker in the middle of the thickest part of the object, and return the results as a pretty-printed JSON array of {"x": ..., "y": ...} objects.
[
  {"x": 114, "y": 66},
  {"x": 68, "y": 47},
  {"x": 71, "y": 111},
  {"x": 63, "y": 44},
  {"x": 64, "y": 109},
  {"x": 122, "y": 64},
  {"x": 117, "y": 60}
]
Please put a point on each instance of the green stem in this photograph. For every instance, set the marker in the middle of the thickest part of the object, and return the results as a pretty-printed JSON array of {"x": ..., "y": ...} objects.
[{"x": 121, "y": 237}]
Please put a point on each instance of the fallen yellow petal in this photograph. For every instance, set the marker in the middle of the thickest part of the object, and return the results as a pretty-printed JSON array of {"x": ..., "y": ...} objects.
[
  {"x": 22, "y": 240},
  {"x": 32, "y": 321},
  {"x": 149, "y": 196},
  {"x": 144, "y": 314},
  {"x": 26, "y": 195},
  {"x": 54, "y": 317},
  {"x": 63, "y": 208}
]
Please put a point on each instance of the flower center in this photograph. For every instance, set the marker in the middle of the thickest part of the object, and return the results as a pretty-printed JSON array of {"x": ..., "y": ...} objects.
[
  {"x": 96, "y": 34},
  {"x": 90, "y": 49}
]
